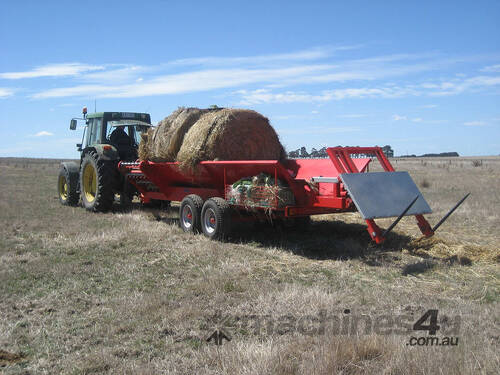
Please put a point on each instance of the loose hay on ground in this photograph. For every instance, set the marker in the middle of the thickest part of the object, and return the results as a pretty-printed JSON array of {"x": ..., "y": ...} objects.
[{"x": 463, "y": 253}]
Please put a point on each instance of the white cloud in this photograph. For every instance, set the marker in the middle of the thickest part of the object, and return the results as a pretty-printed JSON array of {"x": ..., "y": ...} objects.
[
  {"x": 418, "y": 119},
  {"x": 117, "y": 74},
  {"x": 491, "y": 68},
  {"x": 399, "y": 118},
  {"x": 266, "y": 96},
  {"x": 53, "y": 70},
  {"x": 273, "y": 71},
  {"x": 196, "y": 81},
  {"x": 43, "y": 133},
  {"x": 473, "y": 84},
  {"x": 475, "y": 123},
  {"x": 304, "y": 55},
  {"x": 5, "y": 92},
  {"x": 458, "y": 86}
]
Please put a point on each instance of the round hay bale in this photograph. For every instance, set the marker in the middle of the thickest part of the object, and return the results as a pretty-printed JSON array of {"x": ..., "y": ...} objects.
[
  {"x": 166, "y": 139},
  {"x": 230, "y": 134},
  {"x": 178, "y": 127},
  {"x": 144, "y": 152},
  {"x": 159, "y": 140}
]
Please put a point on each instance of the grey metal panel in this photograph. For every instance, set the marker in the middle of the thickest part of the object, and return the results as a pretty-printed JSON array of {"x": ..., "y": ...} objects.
[
  {"x": 325, "y": 179},
  {"x": 384, "y": 194}
]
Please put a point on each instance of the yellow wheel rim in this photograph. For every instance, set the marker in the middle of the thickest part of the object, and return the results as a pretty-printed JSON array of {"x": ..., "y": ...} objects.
[
  {"x": 63, "y": 188},
  {"x": 89, "y": 183}
]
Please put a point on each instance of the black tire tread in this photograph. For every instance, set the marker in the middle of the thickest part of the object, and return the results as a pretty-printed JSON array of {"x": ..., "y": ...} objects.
[
  {"x": 72, "y": 182},
  {"x": 223, "y": 213},
  {"x": 106, "y": 174},
  {"x": 197, "y": 203}
]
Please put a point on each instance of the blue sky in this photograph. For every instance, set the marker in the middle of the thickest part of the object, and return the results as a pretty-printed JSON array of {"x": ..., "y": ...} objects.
[{"x": 422, "y": 76}]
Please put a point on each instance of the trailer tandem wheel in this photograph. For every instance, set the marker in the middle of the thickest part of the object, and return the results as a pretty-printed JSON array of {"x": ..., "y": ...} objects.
[
  {"x": 216, "y": 218},
  {"x": 190, "y": 213}
]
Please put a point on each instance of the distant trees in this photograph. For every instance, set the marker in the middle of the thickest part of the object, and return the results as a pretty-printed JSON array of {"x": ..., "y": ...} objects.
[
  {"x": 445, "y": 154},
  {"x": 388, "y": 151},
  {"x": 442, "y": 154},
  {"x": 301, "y": 153}
]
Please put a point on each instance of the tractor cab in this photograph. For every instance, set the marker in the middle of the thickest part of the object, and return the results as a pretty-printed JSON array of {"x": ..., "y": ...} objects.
[
  {"x": 125, "y": 135},
  {"x": 108, "y": 138},
  {"x": 121, "y": 130}
]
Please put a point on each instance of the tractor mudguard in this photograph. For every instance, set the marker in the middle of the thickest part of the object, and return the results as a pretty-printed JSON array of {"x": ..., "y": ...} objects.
[
  {"x": 73, "y": 172},
  {"x": 106, "y": 152},
  {"x": 71, "y": 167}
]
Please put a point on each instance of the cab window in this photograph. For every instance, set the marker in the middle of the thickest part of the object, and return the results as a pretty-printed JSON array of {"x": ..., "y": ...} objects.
[{"x": 95, "y": 128}]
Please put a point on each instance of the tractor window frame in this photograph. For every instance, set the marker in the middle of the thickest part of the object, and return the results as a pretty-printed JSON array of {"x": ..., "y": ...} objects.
[
  {"x": 87, "y": 132},
  {"x": 95, "y": 128}
]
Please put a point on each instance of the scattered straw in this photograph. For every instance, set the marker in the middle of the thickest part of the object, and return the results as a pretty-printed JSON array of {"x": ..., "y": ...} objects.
[{"x": 460, "y": 252}]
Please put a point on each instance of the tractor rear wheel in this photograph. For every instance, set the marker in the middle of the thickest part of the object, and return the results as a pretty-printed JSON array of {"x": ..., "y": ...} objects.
[
  {"x": 216, "y": 218},
  {"x": 97, "y": 179},
  {"x": 190, "y": 213},
  {"x": 67, "y": 186}
]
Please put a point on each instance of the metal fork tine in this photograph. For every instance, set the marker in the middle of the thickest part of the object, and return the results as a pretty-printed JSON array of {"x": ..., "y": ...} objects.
[
  {"x": 449, "y": 213},
  {"x": 386, "y": 232}
]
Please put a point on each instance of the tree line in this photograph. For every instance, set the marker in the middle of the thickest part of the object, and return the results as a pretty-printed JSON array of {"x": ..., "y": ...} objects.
[{"x": 301, "y": 153}]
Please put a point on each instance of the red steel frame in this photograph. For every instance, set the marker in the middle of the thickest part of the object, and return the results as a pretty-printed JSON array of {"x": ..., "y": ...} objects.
[
  {"x": 165, "y": 181},
  {"x": 341, "y": 158}
]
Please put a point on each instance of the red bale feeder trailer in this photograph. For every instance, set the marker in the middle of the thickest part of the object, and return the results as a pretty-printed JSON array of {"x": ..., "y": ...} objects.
[{"x": 340, "y": 183}]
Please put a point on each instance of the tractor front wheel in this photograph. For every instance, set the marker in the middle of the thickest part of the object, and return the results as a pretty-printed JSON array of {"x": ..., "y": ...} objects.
[
  {"x": 96, "y": 183},
  {"x": 67, "y": 187}
]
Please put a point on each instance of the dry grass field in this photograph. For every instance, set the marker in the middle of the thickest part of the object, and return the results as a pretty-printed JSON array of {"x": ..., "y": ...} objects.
[{"x": 130, "y": 293}]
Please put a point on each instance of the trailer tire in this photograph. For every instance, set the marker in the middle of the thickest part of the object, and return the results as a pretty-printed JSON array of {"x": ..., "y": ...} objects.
[
  {"x": 67, "y": 187},
  {"x": 190, "y": 213},
  {"x": 216, "y": 218},
  {"x": 97, "y": 178}
]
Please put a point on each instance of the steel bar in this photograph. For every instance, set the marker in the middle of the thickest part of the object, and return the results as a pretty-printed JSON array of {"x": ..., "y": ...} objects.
[
  {"x": 449, "y": 213},
  {"x": 387, "y": 231}
]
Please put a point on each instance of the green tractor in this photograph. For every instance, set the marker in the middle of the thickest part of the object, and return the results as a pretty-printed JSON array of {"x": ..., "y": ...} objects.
[{"x": 108, "y": 138}]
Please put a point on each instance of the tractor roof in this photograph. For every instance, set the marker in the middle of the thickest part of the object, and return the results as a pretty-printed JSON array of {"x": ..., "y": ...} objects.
[
  {"x": 145, "y": 117},
  {"x": 117, "y": 123}
]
